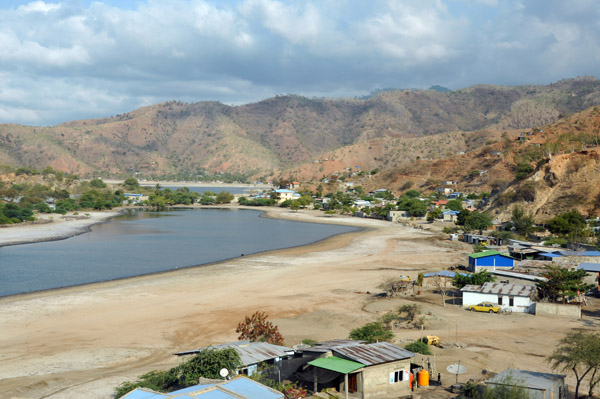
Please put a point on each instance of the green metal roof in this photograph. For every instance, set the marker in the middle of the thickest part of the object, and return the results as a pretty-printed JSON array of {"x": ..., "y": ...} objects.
[
  {"x": 491, "y": 252},
  {"x": 336, "y": 364}
]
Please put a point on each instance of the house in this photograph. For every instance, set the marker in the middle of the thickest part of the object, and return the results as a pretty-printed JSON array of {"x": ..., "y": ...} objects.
[
  {"x": 515, "y": 297},
  {"x": 591, "y": 268},
  {"x": 455, "y": 195},
  {"x": 394, "y": 216},
  {"x": 365, "y": 371},
  {"x": 445, "y": 190},
  {"x": 450, "y": 216},
  {"x": 478, "y": 239},
  {"x": 285, "y": 194},
  {"x": 237, "y": 388},
  {"x": 449, "y": 183},
  {"x": 294, "y": 185},
  {"x": 538, "y": 385},
  {"x": 490, "y": 260},
  {"x": 440, "y": 203},
  {"x": 252, "y": 354}
]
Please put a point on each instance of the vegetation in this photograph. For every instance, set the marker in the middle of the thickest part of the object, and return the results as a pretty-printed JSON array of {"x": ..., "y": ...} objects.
[
  {"x": 562, "y": 284},
  {"x": 257, "y": 328},
  {"x": 568, "y": 223},
  {"x": 418, "y": 347},
  {"x": 478, "y": 221},
  {"x": 206, "y": 364},
  {"x": 522, "y": 223},
  {"x": 579, "y": 352},
  {"x": 479, "y": 278},
  {"x": 372, "y": 332}
]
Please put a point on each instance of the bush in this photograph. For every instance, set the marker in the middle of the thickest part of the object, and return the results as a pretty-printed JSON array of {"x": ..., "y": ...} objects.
[
  {"x": 371, "y": 332},
  {"x": 419, "y": 347}
]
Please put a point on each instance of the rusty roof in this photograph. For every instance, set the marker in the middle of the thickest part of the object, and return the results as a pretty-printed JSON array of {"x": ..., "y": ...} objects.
[
  {"x": 501, "y": 289},
  {"x": 371, "y": 354},
  {"x": 250, "y": 352}
]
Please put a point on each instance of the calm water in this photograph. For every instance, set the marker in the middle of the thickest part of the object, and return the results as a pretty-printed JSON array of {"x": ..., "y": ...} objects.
[{"x": 147, "y": 242}]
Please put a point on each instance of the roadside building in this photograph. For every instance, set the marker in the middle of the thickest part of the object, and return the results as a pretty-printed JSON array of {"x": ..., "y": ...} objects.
[
  {"x": 450, "y": 216},
  {"x": 516, "y": 297},
  {"x": 490, "y": 260},
  {"x": 592, "y": 268},
  {"x": 538, "y": 385}
]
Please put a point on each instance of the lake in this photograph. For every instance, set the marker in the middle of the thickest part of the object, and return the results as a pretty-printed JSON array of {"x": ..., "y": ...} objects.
[{"x": 142, "y": 242}]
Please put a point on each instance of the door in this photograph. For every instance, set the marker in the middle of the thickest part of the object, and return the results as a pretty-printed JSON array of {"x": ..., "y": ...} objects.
[{"x": 353, "y": 382}]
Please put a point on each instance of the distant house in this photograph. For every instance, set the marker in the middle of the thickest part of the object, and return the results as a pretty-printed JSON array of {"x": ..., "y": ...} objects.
[
  {"x": 538, "y": 385},
  {"x": 449, "y": 183},
  {"x": 454, "y": 195},
  {"x": 252, "y": 354},
  {"x": 490, "y": 260},
  {"x": 445, "y": 190},
  {"x": 238, "y": 388},
  {"x": 450, "y": 216},
  {"x": 294, "y": 185},
  {"x": 476, "y": 239},
  {"x": 515, "y": 297},
  {"x": 369, "y": 371},
  {"x": 440, "y": 203},
  {"x": 285, "y": 194},
  {"x": 394, "y": 216},
  {"x": 591, "y": 268}
]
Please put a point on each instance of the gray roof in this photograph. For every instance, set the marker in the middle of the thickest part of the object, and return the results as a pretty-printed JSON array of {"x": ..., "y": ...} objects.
[
  {"x": 371, "y": 354},
  {"x": 589, "y": 267},
  {"x": 250, "y": 352},
  {"x": 501, "y": 289},
  {"x": 528, "y": 379}
]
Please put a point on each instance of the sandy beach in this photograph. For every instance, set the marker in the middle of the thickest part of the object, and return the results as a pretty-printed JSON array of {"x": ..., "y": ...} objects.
[{"x": 89, "y": 339}]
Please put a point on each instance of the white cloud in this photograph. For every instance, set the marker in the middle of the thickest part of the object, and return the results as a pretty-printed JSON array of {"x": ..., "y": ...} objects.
[{"x": 64, "y": 60}]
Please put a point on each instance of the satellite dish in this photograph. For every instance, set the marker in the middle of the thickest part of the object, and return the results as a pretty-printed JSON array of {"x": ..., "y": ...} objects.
[
  {"x": 456, "y": 369},
  {"x": 223, "y": 372}
]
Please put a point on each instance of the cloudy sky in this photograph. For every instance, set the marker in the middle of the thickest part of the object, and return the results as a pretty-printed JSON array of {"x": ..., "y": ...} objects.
[{"x": 79, "y": 59}]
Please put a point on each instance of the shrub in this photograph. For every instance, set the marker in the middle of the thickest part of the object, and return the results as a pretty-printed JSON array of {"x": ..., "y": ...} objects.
[
  {"x": 419, "y": 347},
  {"x": 371, "y": 332}
]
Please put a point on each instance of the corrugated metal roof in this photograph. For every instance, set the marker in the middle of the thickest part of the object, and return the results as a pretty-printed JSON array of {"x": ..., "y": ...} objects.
[
  {"x": 580, "y": 253},
  {"x": 525, "y": 378},
  {"x": 338, "y": 342},
  {"x": 589, "y": 267},
  {"x": 483, "y": 254},
  {"x": 550, "y": 255},
  {"x": 143, "y": 393},
  {"x": 377, "y": 353},
  {"x": 518, "y": 275},
  {"x": 336, "y": 364},
  {"x": 250, "y": 352},
  {"x": 501, "y": 289}
]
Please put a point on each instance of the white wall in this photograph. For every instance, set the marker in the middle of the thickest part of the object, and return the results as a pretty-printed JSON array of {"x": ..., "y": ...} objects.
[{"x": 521, "y": 304}]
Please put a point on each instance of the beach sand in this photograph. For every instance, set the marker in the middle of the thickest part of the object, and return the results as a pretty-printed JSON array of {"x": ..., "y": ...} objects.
[{"x": 84, "y": 341}]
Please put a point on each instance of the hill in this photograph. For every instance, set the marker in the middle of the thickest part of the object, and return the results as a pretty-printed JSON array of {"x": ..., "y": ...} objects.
[{"x": 262, "y": 139}]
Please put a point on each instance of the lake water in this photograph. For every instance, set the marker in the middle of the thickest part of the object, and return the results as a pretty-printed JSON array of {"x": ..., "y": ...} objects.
[{"x": 148, "y": 242}]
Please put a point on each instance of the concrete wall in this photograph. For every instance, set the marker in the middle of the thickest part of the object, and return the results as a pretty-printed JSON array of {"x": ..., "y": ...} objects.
[
  {"x": 521, "y": 304},
  {"x": 557, "y": 309},
  {"x": 376, "y": 381}
]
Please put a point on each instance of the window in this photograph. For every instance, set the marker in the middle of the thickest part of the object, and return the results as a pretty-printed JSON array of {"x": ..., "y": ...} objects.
[
  {"x": 511, "y": 301},
  {"x": 499, "y": 300},
  {"x": 398, "y": 376}
]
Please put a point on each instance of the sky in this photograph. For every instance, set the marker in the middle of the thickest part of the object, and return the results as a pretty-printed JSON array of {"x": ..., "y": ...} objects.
[{"x": 79, "y": 59}]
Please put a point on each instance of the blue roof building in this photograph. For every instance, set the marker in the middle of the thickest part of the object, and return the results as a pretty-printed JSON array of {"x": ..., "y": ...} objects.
[
  {"x": 490, "y": 260},
  {"x": 237, "y": 388}
]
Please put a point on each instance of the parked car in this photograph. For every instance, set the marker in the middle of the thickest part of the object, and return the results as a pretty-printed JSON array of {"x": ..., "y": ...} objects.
[{"x": 485, "y": 307}]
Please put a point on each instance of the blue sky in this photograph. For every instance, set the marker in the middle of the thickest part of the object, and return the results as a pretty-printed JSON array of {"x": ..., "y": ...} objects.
[{"x": 76, "y": 59}]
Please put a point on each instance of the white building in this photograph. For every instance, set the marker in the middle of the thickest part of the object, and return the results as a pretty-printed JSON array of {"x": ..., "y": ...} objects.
[{"x": 515, "y": 297}]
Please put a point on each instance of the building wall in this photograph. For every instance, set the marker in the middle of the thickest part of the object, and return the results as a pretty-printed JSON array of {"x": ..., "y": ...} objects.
[
  {"x": 520, "y": 304},
  {"x": 376, "y": 380},
  {"x": 557, "y": 309}
]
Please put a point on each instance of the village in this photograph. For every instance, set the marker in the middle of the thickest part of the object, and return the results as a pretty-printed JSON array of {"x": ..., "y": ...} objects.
[{"x": 515, "y": 272}]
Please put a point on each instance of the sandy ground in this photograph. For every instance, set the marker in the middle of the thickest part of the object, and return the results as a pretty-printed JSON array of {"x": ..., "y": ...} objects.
[{"x": 84, "y": 341}]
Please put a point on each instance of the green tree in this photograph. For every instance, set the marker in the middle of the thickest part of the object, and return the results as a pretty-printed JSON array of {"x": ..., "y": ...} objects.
[
  {"x": 523, "y": 223},
  {"x": 562, "y": 283},
  {"x": 462, "y": 217},
  {"x": 97, "y": 183},
  {"x": 295, "y": 205},
  {"x": 478, "y": 221},
  {"x": 224, "y": 197},
  {"x": 460, "y": 280},
  {"x": 371, "y": 332},
  {"x": 578, "y": 351},
  {"x": 131, "y": 183},
  {"x": 454, "y": 205},
  {"x": 435, "y": 213},
  {"x": 566, "y": 223},
  {"x": 523, "y": 170}
]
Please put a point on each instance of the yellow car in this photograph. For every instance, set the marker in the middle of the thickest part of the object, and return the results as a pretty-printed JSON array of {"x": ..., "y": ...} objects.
[{"x": 485, "y": 307}]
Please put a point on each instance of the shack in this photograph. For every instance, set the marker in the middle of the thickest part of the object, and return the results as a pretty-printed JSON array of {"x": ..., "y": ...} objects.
[
  {"x": 538, "y": 385},
  {"x": 490, "y": 260},
  {"x": 515, "y": 297}
]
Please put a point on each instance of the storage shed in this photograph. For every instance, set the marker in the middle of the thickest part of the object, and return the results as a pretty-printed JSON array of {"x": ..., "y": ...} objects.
[
  {"x": 538, "y": 385},
  {"x": 490, "y": 260}
]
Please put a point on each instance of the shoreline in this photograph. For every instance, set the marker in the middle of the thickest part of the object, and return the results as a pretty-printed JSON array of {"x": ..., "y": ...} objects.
[{"x": 85, "y": 224}]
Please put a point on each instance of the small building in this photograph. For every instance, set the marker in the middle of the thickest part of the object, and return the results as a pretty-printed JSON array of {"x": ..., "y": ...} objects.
[
  {"x": 491, "y": 259},
  {"x": 365, "y": 371},
  {"x": 592, "y": 268},
  {"x": 285, "y": 194},
  {"x": 394, "y": 216},
  {"x": 237, "y": 388},
  {"x": 252, "y": 354},
  {"x": 450, "y": 216},
  {"x": 515, "y": 297},
  {"x": 294, "y": 185},
  {"x": 440, "y": 203},
  {"x": 445, "y": 190},
  {"x": 538, "y": 385},
  {"x": 455, "y": 195},
  {"x": 479, "y": 239}
]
